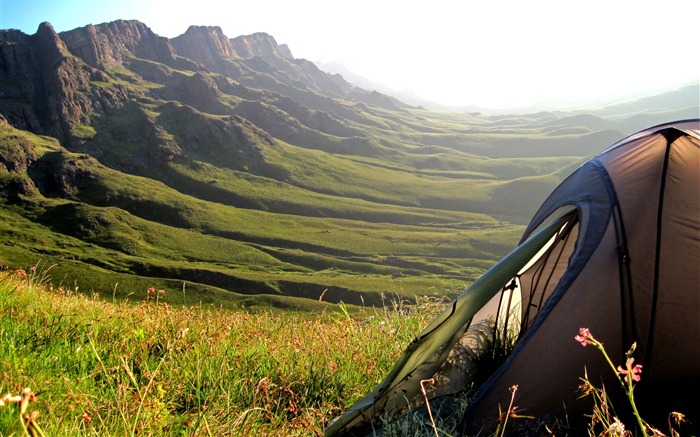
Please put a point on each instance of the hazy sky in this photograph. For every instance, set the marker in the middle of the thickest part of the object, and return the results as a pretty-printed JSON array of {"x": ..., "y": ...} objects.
[{"x": 494, "y": 53}]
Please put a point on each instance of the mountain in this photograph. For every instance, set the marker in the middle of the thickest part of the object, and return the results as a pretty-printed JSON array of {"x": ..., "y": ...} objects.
[{"x": 229, "y": 170}]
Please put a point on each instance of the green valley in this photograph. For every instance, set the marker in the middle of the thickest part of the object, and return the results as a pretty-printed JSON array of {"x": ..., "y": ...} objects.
[{"x": 260, "y": 181}]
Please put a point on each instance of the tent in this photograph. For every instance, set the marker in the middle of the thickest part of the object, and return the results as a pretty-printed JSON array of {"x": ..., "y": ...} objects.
[{"x": 615, "y": 248}]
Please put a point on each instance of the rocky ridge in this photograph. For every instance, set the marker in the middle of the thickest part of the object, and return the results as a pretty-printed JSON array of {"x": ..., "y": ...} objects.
[
  {"x": 54, "y": 84},
  {"x": 109, "y": 44},
  {"x": 46, "y": 89}
]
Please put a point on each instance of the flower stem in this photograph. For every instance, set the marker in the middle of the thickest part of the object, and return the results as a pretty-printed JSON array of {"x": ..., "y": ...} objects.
[{"x": 627, "y": 386}]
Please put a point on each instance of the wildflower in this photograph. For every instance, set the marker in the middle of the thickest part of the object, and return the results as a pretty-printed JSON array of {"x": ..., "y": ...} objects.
[
  {"x": 616, "y": 428},
  {"x": 297, "y": 343},
  {"x": 26, "y": 396},
  {"x": 161, "y": 291},
  {"x": 33, "y": 269},
  {"x": 151, "y": 290},
  {"x": 334, "y": 366},
  {"x": 677, "y": 417},
  {"x": 86, "y": 417},
  {"x": 586, "y": 388},
  {"x": 584, "y": 336},
  {"x": 632, "y": 369},
  {"x": 165, "y": 306}
]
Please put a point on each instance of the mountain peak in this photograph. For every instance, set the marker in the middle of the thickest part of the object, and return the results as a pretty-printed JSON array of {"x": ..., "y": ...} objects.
[
  {"x": 259, "y": 44},
  {"x": 50, "y": 44},
  {"x": 110, "y": 43},
  {"x": 206, "y": 45}
]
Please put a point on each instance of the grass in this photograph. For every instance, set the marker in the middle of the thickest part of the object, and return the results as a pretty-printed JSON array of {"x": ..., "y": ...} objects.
[
  {"x": 77, "y": 365},
  {"x": 148, "y": 367}
]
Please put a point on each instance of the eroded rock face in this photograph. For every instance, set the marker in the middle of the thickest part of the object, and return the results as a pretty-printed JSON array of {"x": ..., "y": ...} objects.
[
  {"x": 109, "y": 44},
  {"x": 259, "y": 44},
  {"x": 202, "y": 92},
  {"x": 45, "y": 89},
  {"x": 208, "y": 46}
]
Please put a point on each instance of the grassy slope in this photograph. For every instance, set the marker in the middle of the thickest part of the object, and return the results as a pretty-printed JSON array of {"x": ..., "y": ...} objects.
[
  {"x": 115, "y": 224},
  {"x": 150, "y": 368}
]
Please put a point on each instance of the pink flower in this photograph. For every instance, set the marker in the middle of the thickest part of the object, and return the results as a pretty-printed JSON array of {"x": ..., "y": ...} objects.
[
  {"x": 86, "y": 417},
  {"x": 161, "y": 291},
  {"x": 334, "y": 366},
  {"x": 584, "y": 336},
  {"x": 632, "y": 369},
  {"x": 151, "y": 290},
  {"x": 297, "y": 343}
]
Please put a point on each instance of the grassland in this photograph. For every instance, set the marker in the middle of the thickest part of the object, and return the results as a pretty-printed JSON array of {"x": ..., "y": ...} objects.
[
  {"x": 305, "y": 223},
  {"x": 146, "y": 366}
]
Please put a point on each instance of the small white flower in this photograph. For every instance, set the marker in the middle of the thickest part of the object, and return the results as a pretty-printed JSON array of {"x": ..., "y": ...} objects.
[{"x": 616, "y": 428}]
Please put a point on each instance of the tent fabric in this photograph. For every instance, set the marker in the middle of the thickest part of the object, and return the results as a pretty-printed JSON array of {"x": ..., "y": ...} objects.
[{"x": 615, "y": 248}]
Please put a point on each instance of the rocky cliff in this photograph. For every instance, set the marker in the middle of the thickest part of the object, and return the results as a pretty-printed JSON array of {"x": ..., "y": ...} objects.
[
  {"x": 208, "y": 46},
  {"x": 259, "y": 44},
  {"x": 107, "y": 45},
  {"x": 47, "y": 90},
  {"x": 59, "y": 84}
]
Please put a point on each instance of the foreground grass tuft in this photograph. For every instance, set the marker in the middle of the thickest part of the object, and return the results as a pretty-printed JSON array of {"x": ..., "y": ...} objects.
[{"x": 150, "y": 368}]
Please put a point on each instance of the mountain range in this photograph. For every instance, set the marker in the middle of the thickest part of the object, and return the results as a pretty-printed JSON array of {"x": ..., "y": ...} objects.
[{"x": 231, "y": 173}]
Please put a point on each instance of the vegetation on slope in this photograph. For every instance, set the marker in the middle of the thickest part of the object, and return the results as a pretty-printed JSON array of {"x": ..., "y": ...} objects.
[{"x": 146, "y": 366}]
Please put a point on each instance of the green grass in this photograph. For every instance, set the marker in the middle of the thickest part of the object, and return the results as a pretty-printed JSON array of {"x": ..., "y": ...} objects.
[
  {"x": 111, "y": 224},
  {"x": 153, "y": 368}
]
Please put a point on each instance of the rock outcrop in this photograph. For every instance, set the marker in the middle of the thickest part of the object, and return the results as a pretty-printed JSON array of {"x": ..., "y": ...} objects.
[
  {"x": 108, "y": 44},
  {"x": 202, "y": 92},
  {"x": 208, "y": 46},
  {"x": 45, "y": 89},
  {"x": 259, "y": 44}
]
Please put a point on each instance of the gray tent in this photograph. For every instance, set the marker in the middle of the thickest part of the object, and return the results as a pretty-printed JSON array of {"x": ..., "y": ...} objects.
[{"x": 615, "y": 248}]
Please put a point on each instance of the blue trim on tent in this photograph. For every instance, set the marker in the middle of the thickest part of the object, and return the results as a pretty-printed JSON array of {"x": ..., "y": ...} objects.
[{"x": 601, "y": 201}]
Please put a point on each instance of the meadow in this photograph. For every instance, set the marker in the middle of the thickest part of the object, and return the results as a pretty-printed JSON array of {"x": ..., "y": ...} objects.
[{"x": 145, "y": 366}]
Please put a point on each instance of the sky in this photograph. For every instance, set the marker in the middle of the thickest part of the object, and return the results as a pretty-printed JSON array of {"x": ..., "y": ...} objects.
[{"x": 489, "y": 53}]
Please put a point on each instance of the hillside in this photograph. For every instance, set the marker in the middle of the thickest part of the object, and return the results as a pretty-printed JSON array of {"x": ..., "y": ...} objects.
[{"x": 232, "y": 170}]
